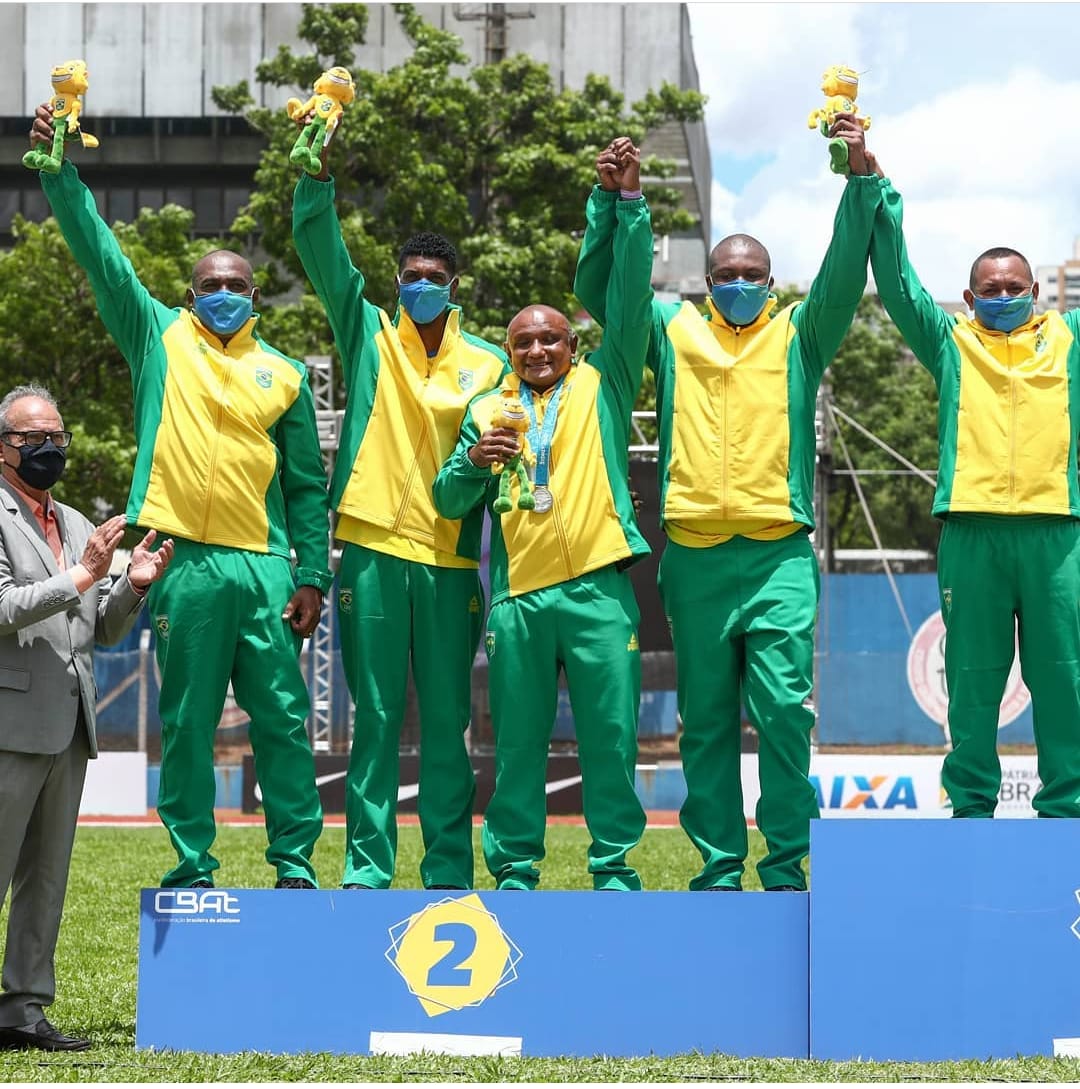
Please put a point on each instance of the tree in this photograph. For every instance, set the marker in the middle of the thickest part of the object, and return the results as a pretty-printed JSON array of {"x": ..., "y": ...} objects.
[
  {"x": 64, "y": 346},
  {"x": 494, "y": 159},
  {"x": 875, "y": 380}
]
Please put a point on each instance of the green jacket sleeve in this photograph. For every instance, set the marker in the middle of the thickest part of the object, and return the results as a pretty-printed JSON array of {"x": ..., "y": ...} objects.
[
  {"x": 460, "y": 486},
  {"x": 303, "y": 486},
  {"x": 922, "y": 323},
  {"x": 825, "y": 315},
  {"x": 337, "y": 282},
  {"x": 596, "y": 256},
  {"x": 133, "y": 318},
  {"x": 622, "y": 352}
]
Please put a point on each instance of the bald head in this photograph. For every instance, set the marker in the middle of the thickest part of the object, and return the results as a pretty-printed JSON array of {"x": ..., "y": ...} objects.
[
  {"x": 529, "y": 315},
  {"x": 541, "y": 345},
  {"x": 740, "y": 256},
  {"x": 222, "y": 268}
]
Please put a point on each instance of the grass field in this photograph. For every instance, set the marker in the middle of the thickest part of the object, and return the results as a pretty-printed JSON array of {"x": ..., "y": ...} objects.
[{"x": 96, "y": 969}]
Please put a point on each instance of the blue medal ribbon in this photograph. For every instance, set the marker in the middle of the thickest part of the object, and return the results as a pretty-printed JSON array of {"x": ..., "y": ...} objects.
[{"x": 540, "y": 436}]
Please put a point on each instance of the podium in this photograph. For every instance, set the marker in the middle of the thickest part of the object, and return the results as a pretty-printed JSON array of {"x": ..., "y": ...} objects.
[
  {"x": 934, "y": 940},
  {"x": 506, "y": 973},
  {"x": 921, "y": 940}
]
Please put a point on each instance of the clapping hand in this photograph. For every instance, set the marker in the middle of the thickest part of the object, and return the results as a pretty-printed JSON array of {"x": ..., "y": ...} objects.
[{"x": 147, "y": 566}]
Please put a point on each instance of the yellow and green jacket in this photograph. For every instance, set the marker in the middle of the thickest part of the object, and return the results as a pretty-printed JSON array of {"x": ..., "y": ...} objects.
[
  {"x": 1008, "y": 403},
  {"x": 404, "y": 410},
  {"x": 735, "y": 405},
  {"x": 592, "y": 522},
  {"x": 228, "y": 450}
]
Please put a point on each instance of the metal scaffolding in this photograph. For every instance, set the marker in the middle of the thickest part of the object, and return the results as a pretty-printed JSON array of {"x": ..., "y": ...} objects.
[{"x": 319, "y": 649}]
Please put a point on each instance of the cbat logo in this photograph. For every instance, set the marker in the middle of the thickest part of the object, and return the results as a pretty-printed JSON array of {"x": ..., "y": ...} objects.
[
  {"x": 633, "y": 644},
  {"x": 866, "y": 792},
  {"x": 345, "y": 600},
  {"x": 161, "y": 626},
  {"x": 264, "y": 377},
  {"x": 453, "y": 954},
  {"x": 196, "y": 902},
  {"x": 489, "y": 643},
  {"x": 465, "y": 379},
  {"x": 474, "y": 604},
  {"x": 926, "y": 674}
]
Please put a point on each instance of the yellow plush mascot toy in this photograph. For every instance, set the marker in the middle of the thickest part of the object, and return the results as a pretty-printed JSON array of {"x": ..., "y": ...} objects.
[
  {"x": 69, "y": 82},
  {"x": 511, "y": 414},
  {"x": 334, "y": 90},
  {"x": 841, "y": 87}
]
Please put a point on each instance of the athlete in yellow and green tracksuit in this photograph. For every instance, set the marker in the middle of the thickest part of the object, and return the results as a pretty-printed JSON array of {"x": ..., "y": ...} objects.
[
  {"x": 561, "y": 595},
  {"x": 738, "y": 577},
  {"x": 409, "y": 585},
  {"x": 229, "y": 465},
  {"x": 1007, "y": 491}
]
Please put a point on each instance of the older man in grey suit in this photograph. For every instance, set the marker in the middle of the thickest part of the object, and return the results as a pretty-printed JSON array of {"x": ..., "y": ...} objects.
[{"x": 56, "y": 601}]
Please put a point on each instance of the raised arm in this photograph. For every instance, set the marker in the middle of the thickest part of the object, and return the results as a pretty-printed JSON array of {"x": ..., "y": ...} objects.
[
  {"x": 925, "y": 326},
  {"x": 337, "y": 281},
  {"x": 825, "y": 315},
  {"x": 595, "y": 257},
  {"x": 629, "y": 299},
  {"x": 132, "y": 317}
]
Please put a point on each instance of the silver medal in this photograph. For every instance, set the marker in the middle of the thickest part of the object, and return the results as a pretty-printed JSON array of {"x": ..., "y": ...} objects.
[{"x": 544, "y": 499}]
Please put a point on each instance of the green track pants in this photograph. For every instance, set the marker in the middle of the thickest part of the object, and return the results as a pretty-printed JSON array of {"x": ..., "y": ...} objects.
[
  {"x": 217, "y": 616},
  {"x": 391, "y": 610},
  {"x": 588, "y": 626},
  {"x": 995, "y": 573},
  {"x": 742, "y": 615}
]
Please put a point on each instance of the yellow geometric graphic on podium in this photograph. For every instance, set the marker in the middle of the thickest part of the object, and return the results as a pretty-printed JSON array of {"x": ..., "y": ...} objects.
[{"x": 453, "y": 954}]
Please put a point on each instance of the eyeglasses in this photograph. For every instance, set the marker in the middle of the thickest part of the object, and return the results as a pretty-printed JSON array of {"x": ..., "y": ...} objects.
[{"x": 38, "y": 438}]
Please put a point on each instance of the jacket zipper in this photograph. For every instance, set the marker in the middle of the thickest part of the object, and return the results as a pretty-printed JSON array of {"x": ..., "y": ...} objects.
[
  {"x": 1012, "y": 425},
  {"x": 410, "y": 476},
  {"x": 724, "y": 451},
  {"x": 214, "y": 451}
]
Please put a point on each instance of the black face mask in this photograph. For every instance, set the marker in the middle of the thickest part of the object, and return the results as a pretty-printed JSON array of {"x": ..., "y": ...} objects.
[{"x": 41, "y": 466}]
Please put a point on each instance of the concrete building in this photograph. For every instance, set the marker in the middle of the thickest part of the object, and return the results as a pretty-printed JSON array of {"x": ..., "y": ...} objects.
[
  {"x": 1059, "y": 285},
  {"x": 153, "y": 67}
]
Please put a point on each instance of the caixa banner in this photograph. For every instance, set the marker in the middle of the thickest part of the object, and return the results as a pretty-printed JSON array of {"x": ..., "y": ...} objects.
[
  {"x": 563, "y": 783},
  {"x": 866, "y": 785}
]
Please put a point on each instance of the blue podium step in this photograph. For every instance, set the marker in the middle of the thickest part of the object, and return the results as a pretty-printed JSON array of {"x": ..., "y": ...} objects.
[
  {"x": 544, "y": 973},
  {"x": 934, "y": 940}
]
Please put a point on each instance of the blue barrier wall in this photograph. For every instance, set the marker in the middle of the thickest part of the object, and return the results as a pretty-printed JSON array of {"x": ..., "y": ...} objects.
[{"x": 863, "y": 695}]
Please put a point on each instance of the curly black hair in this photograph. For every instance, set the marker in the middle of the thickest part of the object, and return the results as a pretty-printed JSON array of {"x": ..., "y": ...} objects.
[{"x": 429, "y": 244}]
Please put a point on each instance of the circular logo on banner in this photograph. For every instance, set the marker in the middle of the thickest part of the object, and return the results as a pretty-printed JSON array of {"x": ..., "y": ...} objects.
[
  {"x": 926, "y": 676},
  {"x": 453, "y": 954}
]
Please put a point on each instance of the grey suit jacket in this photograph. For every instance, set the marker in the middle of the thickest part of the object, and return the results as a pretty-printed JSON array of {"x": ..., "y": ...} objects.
[{"x": 48, "y": 630}]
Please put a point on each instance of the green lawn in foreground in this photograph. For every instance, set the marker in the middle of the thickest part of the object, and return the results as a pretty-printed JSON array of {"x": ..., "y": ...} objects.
[{"x": 96, "y": 970}]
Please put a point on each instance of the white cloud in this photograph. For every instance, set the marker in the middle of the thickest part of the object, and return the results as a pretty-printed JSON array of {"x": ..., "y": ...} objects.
[
  {"x": 722, "y": 203},
  {"x": 760, "y": 65},
  {"x": 978, "y": 155}
]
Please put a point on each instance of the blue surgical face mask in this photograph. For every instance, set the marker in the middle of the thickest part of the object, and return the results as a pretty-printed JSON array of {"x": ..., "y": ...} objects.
[
  {"x": 223, "y": 312},
  {"x": 740, "y": 301},
  {"x": 1004, "y": 312},
  {"x": 423, "y": 300}
]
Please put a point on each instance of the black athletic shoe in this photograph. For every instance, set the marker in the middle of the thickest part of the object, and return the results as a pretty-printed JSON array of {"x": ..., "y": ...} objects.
[{"x": 294, "y": 883}]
